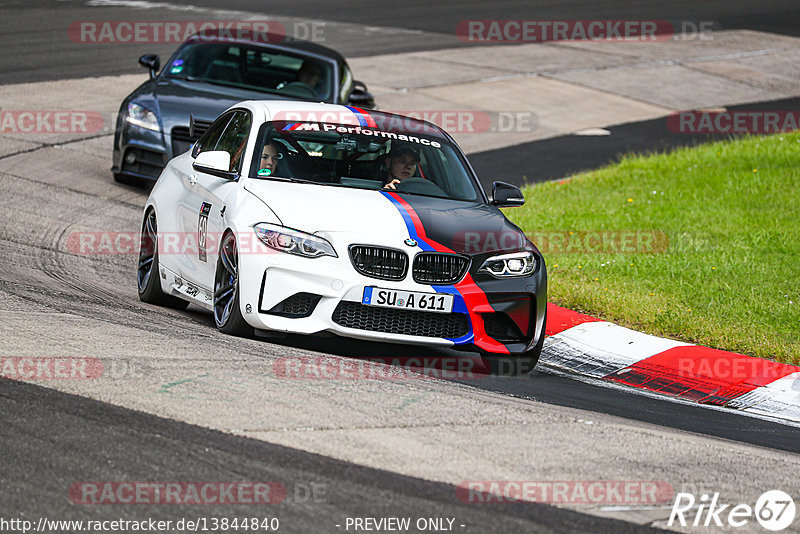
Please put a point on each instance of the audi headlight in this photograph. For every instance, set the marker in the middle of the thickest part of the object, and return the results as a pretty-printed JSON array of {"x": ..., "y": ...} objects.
[
  {"x": 293, "y": 241},
  {"x": 510, "y": 265},
  {"x": 142, "y": 117}
]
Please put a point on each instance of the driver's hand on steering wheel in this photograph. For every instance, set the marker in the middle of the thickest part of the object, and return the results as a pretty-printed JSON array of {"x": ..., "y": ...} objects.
[{"x": 392, "y": 184}]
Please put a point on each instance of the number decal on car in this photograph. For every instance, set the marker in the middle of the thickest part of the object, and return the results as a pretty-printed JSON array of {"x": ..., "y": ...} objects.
[{"x": 202, "y": 231}]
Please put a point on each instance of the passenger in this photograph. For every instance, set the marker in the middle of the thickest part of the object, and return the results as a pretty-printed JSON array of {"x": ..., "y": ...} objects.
[
  {"x": 401, "y": 163},
  {"x": 270, "y": 155}
]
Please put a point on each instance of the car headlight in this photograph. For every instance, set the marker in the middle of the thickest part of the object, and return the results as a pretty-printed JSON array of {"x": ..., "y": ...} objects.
[
  {"x": 293, "y": 242},
  {"x": 510, "y": 265},
  {"x": 142, "y": 117}
]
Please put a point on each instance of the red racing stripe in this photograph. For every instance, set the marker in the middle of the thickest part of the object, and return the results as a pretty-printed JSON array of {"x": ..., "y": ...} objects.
[
  {"x": 370, "y": 121},
  {"x": 474, "y": 297}
]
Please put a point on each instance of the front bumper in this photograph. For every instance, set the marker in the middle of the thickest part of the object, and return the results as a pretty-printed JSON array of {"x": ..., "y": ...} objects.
[
  {"x": 291, "y": 294},
  {"x": 143, "y": 153},
  {"x": 139, "y": 152}
]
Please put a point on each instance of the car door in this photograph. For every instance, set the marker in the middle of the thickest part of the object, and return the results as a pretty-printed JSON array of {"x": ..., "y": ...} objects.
[
  {"x": 190, "y": 217},
  {"x": 214, "y": 191}
]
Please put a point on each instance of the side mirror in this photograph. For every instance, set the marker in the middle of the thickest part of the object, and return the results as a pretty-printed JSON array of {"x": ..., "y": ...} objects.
[
  {"x": 505, "y": 195},
  {"x": 215, "y": 163},
  {"x": 151, "y": 62},
  {"x": 360, "y": 97}
]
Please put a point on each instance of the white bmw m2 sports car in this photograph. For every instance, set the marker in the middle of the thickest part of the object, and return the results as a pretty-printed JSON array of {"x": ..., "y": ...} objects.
[{"x": 326, "y": 219}]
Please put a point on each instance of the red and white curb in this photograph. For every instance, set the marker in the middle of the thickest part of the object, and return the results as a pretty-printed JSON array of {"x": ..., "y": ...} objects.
[{"x": 590, "y": 347}]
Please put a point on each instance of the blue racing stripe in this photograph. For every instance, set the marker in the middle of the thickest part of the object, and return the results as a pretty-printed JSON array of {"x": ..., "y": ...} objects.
[
  {"x": 459, "y": 305},
  {"x": 412, "y": 231},
  {"x": 361, "y": 120}
]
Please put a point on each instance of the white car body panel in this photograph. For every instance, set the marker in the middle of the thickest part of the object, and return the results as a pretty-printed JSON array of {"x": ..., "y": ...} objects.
[{"x": 343, "y": 216}]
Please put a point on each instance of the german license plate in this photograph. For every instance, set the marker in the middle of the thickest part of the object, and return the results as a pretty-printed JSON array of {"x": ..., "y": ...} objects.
[{"x": 408, "y": 300}]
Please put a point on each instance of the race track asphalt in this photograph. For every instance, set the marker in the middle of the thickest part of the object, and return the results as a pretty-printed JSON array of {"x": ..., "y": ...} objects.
[
  {"x": 37, "y": 47},
  {"x": 53, "y": 440}
]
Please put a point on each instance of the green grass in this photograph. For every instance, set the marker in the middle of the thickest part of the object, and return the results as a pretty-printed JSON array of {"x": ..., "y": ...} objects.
[{"x": 730, "y": 275}]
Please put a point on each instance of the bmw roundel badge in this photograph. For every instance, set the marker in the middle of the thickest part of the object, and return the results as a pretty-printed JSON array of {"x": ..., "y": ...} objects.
[{"x": 410, "y": 242}]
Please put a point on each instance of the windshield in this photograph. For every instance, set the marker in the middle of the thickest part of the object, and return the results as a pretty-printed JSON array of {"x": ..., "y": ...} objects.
[
  {"x": 342, "y": 155},
  {"x": 253, "y": 68}
]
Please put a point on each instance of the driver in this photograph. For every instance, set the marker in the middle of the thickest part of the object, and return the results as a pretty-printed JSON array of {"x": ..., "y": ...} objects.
[
  {"x": 306, "y": 81},
  {"x": 310, "y": 74},
  {"x": 401, "y": 163}
]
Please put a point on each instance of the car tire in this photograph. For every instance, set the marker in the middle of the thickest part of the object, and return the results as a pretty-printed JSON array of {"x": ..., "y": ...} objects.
[
  {"x": 519, "y": 364},
  {"x": 227, "y": 311},
  {"x": 148, "y": 272}
]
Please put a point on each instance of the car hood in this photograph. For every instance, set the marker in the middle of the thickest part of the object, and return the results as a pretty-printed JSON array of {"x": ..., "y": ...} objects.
[{"x": 382, "y": 217}]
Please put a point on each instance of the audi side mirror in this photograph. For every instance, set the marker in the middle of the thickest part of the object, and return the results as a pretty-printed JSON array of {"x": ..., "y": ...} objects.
[
  {"x": 151, "y": 62},
  {"x": 360, "y": 97}
]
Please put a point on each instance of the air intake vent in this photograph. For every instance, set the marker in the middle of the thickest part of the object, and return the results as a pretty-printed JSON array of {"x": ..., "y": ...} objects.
[
  {"x": 408, "y": 322},
  {"x": 298, "y": 305},
  {"x": 379, "y": 262},
  {"x": 438, "y": 268},
  {"x": 181, "y": 140},
  {"x": 182, "y": 132}
]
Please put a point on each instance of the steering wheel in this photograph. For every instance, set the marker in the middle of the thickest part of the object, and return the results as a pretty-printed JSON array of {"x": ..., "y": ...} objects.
[
  {"x": 420, "y": 186},
  {"x": 300, "y": 90}
]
